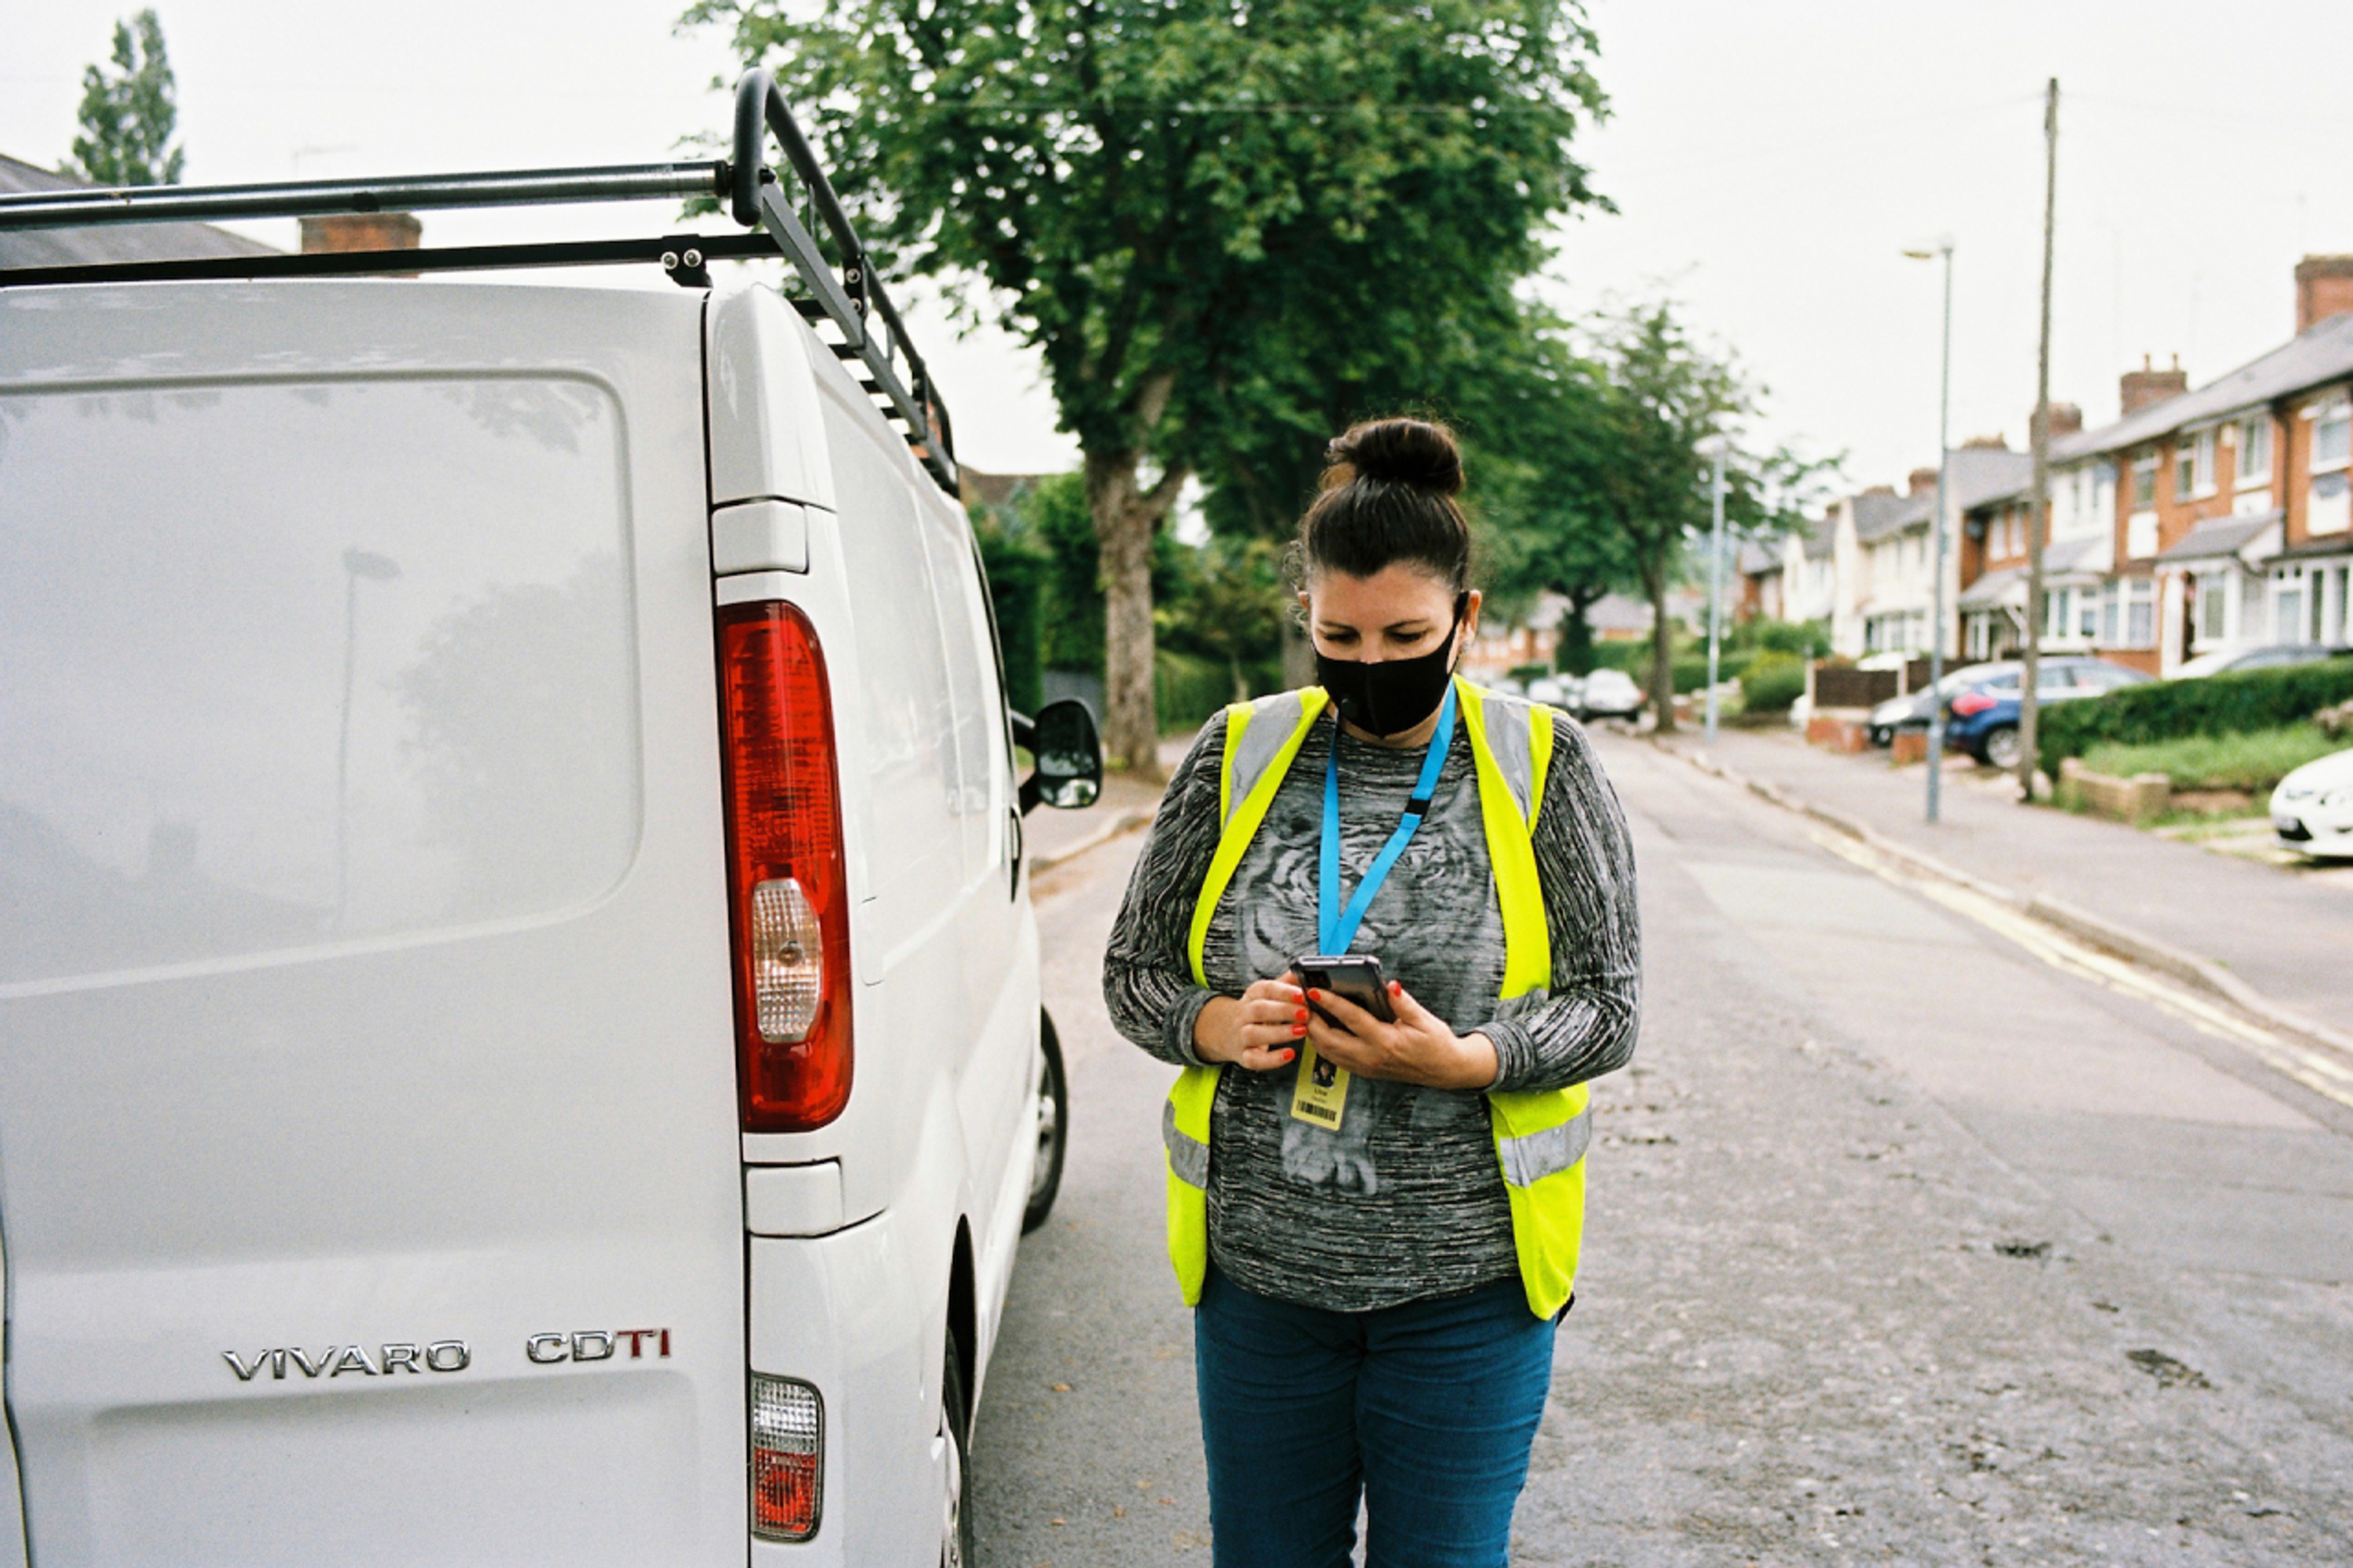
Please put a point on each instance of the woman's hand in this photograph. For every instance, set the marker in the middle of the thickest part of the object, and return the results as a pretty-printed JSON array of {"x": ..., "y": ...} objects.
[
  {"x": 1419, "y": 1049},
  {"x": 1260, "y": 1032}
]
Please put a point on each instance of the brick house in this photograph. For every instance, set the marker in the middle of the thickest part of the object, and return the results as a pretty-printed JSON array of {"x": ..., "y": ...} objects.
[{"x": 1884, "y": 548}]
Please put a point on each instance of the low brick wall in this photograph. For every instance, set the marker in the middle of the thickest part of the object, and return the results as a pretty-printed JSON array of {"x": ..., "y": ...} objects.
[
  {"x": 1838, "y": 732},
  {"x": 2134, "y": 799},
  {"x": 1909, "y": 746}
]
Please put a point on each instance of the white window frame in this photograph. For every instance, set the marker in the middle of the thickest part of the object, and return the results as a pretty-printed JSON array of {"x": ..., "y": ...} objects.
[
  {"x": 2140, "y": 536},
  {"x": 2144, "y": 466},
  {"x": 2193, "y": 451},
  {"x": 2140, "y": 603},
  {"x": 2254, "y": 433},
  {"x": 2329, "y": 411}
]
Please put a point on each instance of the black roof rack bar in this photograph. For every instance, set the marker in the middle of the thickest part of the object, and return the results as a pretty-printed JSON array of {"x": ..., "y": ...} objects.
[
  {"x": 314, "y": 198},
  {"x": 760, "y": 107},
  {"x": 854, "y": 300},
  {"x": 681, "y": 254}
]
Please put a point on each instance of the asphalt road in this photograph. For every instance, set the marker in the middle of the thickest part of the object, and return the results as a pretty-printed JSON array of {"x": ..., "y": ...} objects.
[{"x": 1907, "y": 1243}]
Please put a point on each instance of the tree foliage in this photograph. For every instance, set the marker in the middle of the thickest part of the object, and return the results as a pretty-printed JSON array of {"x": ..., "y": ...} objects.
[
  {"x": 130, "y": 115},
  {"x": 1221, "y": 223},
  {"x": 1660, "y": 395}
]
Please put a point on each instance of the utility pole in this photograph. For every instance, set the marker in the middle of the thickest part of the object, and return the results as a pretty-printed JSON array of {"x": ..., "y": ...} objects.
[
  {"x": 2039, "y": 519},
  {"x": 1944, "y": 248},
  {"x": 1714, "y": 584}
]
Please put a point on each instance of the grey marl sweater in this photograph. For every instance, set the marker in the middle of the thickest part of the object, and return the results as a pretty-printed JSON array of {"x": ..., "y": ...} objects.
[{"x": 1404, "y": 1202}]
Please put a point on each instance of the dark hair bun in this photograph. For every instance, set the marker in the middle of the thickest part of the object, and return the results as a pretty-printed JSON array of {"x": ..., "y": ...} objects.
[{"x": 1403, "y": 452}]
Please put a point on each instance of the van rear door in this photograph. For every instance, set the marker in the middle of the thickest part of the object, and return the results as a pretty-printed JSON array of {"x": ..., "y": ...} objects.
[{"x": 368, "y": 1134}]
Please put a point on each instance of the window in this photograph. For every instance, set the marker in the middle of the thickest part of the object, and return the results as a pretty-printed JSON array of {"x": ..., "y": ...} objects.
[
  {"x": 2143, "y": 481},
  {"x": 2256, "y": 451},
  {"x": 2332, "y": 437},
  {"x": 2087, "y": 614},
  {"x": 2140, "y": 613},
  {"x": 2111, "y": 602},
  {"x": 2193, "y": 465},
  {"x": 2140, "y": 535}
]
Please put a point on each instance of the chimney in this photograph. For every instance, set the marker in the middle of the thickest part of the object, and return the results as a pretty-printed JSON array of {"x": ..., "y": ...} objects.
[
  {"x": 361, "y": 231},
  {"x": 2066, "y": 419},
  {"x": 1993, "y": 443},
  {"x": 2139, "y": 388},
  {"x": 1879, "y": 490},
  {"x": 1923, "y": 481},
  {"x": 2324, "y": 288}
]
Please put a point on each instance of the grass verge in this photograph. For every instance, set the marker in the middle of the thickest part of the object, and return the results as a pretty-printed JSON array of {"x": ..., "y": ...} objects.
[{"x": 2252, "y": 762}]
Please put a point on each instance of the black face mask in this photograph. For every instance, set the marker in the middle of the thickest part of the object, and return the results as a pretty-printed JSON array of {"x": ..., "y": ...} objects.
[{"x": 1393, "y": 695}]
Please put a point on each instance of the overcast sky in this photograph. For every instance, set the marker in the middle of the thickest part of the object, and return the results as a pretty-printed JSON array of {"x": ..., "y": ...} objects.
[{"x": 1770, "y": 163}]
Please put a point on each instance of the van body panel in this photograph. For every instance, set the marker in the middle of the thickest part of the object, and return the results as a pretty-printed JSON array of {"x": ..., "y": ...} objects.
[
  {"x": 768, "y": 438},
  {"x": 380, "y": 994}
]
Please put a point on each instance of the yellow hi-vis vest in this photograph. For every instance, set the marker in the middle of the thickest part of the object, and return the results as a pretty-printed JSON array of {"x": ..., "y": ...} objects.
[{"x": 1540, "y": 1137}]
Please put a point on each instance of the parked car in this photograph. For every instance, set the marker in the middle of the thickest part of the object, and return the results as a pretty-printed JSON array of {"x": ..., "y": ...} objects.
[
  {"x": 520, "y": 1004},
  {"x": 2272, "y": 655},
  {"x": 1982, "y": 717},
  {"x": 1610, "y": 694},
  {"x": 2312, "y": 809},
  {"x": 1910, "y": 710},
  {"x": 1559, "y": 691}
]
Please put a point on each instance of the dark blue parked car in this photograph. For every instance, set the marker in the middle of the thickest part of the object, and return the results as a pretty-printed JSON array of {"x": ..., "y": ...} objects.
[{"x": 1982, "y": 716}]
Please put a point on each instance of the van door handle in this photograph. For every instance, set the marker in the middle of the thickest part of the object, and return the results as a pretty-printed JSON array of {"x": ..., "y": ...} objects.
[{"x": 1013, "y": 860}]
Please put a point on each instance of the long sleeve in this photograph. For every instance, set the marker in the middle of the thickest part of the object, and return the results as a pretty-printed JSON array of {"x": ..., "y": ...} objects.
[
  {"x": 1585, "y": 862},
  {"x": 1147, "y": 978}
]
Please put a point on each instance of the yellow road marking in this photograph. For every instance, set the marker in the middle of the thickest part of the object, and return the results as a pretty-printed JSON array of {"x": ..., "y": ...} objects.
[{"x": 2322, "y": 1072}]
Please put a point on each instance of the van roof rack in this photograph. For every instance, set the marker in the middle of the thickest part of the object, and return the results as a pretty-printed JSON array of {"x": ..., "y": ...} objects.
[{"x": 873, "y": 343}]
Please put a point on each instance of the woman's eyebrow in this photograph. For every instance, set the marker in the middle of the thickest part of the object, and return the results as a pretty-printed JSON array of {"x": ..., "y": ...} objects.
[{"x": 1419, "y": 623}]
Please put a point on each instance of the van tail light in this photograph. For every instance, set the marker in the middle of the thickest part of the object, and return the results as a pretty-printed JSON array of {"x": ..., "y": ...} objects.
[
  {"x": 1970, "y": 703},
  {"x": 788, "y": 902},
  {"x": 787, "y": 1459}
]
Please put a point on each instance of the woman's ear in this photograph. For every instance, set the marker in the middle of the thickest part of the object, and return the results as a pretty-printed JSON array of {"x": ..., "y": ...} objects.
[{"x": 1470, "y": 617}]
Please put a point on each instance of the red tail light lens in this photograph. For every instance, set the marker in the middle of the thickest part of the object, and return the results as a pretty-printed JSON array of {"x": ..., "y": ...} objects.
[
  {"x": 788, "y": 904},
  {"x": 1970, "y": 703}
]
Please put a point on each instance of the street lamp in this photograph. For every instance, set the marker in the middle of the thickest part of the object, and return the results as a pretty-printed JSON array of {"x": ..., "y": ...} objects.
[
  {"x": 1942, "y": 248},
  {"x": 1715, "y": 446}
]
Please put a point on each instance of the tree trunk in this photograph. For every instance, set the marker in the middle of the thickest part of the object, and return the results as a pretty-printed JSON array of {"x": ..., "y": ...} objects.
[
  {"x": 1662, "y": 654},
  {"x": 1126, "y": 518},
  {"x": 1574, "y": 653}
]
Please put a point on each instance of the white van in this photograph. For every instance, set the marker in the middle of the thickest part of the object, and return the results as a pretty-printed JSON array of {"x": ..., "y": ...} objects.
[{"x": 520, "y": 1036}]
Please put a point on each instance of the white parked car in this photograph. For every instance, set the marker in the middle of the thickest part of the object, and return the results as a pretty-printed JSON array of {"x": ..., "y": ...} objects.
[
  {"x": 1610, "y": 694},
  {"x": 2312, "y": 808},
  {"x": 1559, "y": 691},
  {"x": 520, "y": 1028}
]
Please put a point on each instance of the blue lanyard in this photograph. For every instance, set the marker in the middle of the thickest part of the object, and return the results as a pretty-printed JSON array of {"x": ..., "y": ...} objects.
[{"x": 1338, "y": 929}]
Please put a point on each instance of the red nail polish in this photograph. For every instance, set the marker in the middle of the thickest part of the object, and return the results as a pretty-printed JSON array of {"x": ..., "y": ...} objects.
[
  {"x": 1300, "y": 1016},
  {"x": 1298, "y": 1028},
  {"x": 1291, "y": 1056}
]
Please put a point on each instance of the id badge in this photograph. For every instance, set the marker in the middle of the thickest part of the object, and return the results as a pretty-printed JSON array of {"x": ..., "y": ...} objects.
[{"x": 1322, "y": 1097}]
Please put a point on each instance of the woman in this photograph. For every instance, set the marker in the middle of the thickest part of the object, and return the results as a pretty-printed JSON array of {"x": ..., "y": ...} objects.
[{"x": 1378, "y": 1222}]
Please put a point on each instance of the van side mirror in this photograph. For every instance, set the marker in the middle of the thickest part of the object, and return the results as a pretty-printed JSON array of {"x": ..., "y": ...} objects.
[{"x": 1063, "y": 738}]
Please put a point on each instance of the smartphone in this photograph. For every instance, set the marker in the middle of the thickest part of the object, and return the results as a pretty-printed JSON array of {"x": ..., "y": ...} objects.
[{"x": 1356, "y": 977}]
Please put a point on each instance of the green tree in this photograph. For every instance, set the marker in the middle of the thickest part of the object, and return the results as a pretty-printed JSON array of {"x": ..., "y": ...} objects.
[
  {"x": 1153, "y": 193},
  {"x": 1540, "y": 454},
  {"x": 130, "y": 115},
  {"x": 1662, "y": 395}
]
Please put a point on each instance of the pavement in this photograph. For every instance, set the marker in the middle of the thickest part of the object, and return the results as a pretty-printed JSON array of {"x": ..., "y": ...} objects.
[
  {"x": 2285, "y": 930},
  {"x": 1911, "y": 1240}
]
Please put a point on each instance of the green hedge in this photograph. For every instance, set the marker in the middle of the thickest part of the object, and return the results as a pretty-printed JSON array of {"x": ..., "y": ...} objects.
[
  {"x": 1690, "y": 670},
  {"x": 2169, "y": 710},
  {"x": 1772, "y": 684},
  {"x": 2252, "y": 762},
  {"x": 1188, "y": 688}
]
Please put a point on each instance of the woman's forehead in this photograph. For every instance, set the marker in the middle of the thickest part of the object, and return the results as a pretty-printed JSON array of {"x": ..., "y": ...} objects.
[{"x": 1398, "y": 592}]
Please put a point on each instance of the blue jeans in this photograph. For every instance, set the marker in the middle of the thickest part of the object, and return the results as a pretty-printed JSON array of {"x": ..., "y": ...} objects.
[{"x": 1425, "y": 1410}]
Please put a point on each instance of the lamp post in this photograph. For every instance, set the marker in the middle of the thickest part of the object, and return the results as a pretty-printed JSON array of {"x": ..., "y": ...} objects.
[
  {"x": 1713, "y": 447},
  {"x": 1943, "y": 249}
]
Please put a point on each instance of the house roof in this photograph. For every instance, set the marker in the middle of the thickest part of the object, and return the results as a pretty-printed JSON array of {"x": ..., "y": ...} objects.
[
  {"x": 1617, "y": 612},
  {"x": 2063, "y": 560},
  {"x": 2322, "y": 352},
  {"x": 993, "y": 490},
  {"x": 1975, "y": 475},
  {"x": 115, "y": 242},
  {"x": 1822, "y": 539},
  {"x": 1757, "y": 557},
  {"x": 2221, "y": 536}
]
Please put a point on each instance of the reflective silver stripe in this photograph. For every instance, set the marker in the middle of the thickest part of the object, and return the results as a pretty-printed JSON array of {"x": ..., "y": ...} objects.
[
  {"x": 1508, "y": 726},
  {"x": 1271, "y": 722},
  {"x": 1187, "y": 1158},
  {"x": 1529, "y": 1160}
]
